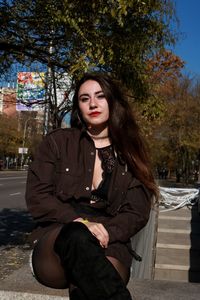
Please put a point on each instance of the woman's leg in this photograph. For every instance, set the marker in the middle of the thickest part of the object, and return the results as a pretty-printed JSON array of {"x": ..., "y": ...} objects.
[
  {"x": 123, "y": 271},
  {"x": 46, "y": 263},
  {"x": 86, "y": 265}
]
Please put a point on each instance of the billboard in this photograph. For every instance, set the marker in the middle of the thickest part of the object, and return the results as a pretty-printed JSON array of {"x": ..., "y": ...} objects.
[{"x": 30, "y": 90}]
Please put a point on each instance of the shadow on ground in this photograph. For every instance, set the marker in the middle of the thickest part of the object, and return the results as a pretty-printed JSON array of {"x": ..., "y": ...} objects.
[{"x": 15, "y": 226}]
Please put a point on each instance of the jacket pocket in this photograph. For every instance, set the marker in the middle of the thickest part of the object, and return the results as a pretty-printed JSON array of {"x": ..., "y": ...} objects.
[{"x": 66, "y": 183}]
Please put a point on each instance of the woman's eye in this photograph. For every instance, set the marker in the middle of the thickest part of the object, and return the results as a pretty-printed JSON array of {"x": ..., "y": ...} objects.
[
  {"x": 101, "y": 96},
  {"x": 84, "y": 99}
]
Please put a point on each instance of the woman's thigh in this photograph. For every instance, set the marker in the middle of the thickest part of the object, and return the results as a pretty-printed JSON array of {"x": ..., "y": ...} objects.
[{"x": 46, "y": 263}]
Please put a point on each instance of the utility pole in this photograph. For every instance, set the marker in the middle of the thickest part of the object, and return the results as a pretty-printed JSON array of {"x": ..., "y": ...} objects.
[
  {"x": 48, "y": 91},
  {"x": 23, "y": 143}
]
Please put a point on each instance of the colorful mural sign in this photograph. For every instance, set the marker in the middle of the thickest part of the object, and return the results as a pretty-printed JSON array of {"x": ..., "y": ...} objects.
[{"x": 30, "y": 90}]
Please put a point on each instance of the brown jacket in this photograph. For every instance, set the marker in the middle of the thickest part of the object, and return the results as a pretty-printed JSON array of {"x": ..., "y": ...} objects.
[{"x": 63, "y": 168}]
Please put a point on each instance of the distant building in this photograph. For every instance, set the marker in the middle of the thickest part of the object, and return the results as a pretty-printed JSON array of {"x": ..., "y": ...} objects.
[{"x": 8, "y": 101}]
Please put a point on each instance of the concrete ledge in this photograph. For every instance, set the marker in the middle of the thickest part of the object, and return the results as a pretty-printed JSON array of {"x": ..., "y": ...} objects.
[
  {"x": 5, "y": 295},
  {"x": 22, "y": 285},
  {"x": 23, "y": 281},
  {"x": 163, "y": 290}
]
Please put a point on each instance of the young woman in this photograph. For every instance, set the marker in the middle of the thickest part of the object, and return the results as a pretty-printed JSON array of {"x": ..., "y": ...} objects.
[{"x": 90, "y": 190}]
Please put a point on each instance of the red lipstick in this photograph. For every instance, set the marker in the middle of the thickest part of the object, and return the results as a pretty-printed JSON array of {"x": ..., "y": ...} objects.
[{"x": 94, "y": 114}]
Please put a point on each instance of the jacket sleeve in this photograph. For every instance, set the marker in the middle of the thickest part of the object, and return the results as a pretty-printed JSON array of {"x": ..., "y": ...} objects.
[
  {"x": 132, "y": 215},
  {"x": 40, "y": 188}
]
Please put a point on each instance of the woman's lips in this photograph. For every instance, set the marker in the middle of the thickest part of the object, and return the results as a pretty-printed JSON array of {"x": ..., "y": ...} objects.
[{"x": 94, "y": 114}]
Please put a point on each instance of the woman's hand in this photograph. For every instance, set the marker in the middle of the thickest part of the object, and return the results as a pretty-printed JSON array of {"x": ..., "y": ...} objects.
[{"x": 98, "y": 230}]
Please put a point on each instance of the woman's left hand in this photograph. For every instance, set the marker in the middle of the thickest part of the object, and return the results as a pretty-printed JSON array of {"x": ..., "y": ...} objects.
[{"x": 98, "y": 230}]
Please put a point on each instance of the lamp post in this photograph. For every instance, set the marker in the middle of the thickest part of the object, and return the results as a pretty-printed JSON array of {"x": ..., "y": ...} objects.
[{"x": 23, "y": 142}]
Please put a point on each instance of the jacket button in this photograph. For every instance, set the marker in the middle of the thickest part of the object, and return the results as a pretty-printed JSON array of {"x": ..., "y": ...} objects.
[
  {"x": 123, "y": 173},
  {"x": 67, "y": 169},
  {"x": 90, "y": 170},
  {"x": 87, "y": 188},
  {"x": 92, "y": 153}
]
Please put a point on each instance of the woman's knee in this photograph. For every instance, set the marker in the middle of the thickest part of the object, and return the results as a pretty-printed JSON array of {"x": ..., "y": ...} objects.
[
  {"x": 46, "y": 263},
  {"x": 74, "y": 231},
  {"x": 72, "y": 234}
]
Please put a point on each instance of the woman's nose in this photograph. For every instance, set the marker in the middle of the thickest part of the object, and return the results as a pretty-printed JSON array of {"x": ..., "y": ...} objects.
[{"x": 92, "y": 102}]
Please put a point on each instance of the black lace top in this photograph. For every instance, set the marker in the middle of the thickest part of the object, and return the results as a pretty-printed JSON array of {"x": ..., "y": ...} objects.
[
  {"x": 99, "y": 195},
  {"x": 107, "y": 156}
]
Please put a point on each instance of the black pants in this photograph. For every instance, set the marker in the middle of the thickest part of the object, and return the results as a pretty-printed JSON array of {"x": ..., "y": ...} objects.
[{"x": 86, "y": 265}]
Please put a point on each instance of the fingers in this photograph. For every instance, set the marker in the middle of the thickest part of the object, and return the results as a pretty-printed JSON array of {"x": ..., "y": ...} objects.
[{"x": 99, "y": 231}]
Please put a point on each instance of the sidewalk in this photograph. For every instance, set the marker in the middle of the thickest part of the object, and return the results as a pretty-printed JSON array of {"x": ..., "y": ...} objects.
[{"x": 22, "y": 285}]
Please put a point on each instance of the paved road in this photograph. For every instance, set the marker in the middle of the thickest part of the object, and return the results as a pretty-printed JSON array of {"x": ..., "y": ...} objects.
[
  {"x": 15, "y": 221},
  {"x": 12, "y": 189}
]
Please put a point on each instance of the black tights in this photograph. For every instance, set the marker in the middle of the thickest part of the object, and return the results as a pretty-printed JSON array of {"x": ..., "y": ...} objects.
[{"x": 56, "y": 265}]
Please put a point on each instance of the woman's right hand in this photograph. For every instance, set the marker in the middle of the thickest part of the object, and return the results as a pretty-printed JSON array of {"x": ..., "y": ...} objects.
[{"x": 98, "y": 230}]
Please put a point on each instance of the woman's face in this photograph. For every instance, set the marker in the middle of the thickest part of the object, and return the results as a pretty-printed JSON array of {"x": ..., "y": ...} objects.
[{"x": 92, "y": 104}]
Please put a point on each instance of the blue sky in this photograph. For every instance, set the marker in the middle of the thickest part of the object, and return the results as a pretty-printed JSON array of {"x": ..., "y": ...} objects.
[{"x": 188, "y": 48}]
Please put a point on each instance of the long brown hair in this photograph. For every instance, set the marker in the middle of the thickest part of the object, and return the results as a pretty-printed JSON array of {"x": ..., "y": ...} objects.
[{"x": 123, "y": 129}]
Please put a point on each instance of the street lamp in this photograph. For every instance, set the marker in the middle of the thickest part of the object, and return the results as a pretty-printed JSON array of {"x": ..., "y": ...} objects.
[{"x": 24, "y": 138}]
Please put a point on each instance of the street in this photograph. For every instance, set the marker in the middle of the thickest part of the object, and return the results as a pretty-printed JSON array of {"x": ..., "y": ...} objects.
[
  {"x": 12, "y": 189},
  {"x": 15, "y": 221}
]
